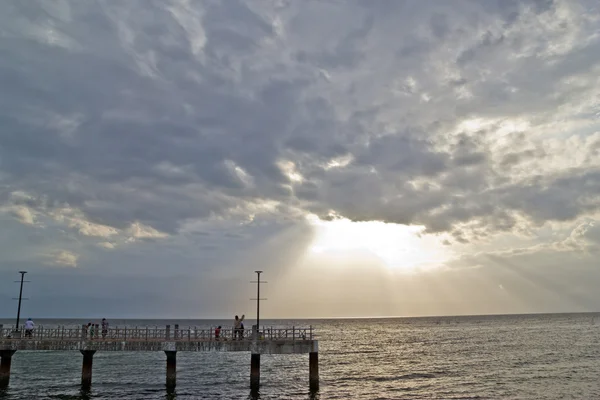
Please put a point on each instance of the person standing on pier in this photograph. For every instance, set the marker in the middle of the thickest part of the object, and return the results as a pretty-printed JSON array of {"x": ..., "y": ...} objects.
[
  {"x": 85, "y": 329},
  {"x": 29, "y": 325},
  {"x": 218, "y": 333},
  {"x": 237, "y": 324},
  {"x": 104, "y": 328}
]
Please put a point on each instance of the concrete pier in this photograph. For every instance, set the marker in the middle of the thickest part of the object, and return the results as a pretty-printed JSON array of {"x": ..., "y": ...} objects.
[
  {"x": 5, "y": 361},
  {"x": 254, "y": 371},
  {"x": 171, "y": 370},
  {"x": 86, "y": 369},
  {"x": 292, "y": 340},
  {"x": 313, "y": 370}
]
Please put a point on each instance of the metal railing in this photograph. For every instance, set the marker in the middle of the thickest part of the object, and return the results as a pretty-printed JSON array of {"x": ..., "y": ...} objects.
[{"x": 155, "y": 334}]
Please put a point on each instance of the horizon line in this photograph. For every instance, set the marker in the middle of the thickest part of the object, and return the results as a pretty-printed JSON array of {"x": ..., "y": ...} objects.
[{"x": 319, "y": 318}]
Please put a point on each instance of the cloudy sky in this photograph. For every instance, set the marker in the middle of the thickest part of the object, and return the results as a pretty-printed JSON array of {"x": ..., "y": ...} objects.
[{"x": 374, "y": 158}]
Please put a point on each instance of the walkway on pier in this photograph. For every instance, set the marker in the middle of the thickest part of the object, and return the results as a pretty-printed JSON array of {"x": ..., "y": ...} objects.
[{"x": 292, "y": 340}]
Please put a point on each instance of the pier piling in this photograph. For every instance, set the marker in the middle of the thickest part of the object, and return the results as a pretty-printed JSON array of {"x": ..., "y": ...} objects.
[
  {"x": 5, "y": 361},
  {"x": 313, "y": 370},
  {"x": 171, "y": 370},
  {"x": 254, "y": 371},
  {"x": 86, "y": 369}
]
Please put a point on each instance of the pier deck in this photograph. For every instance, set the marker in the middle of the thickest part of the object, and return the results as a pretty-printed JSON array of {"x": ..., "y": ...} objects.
[
  {"x": 269, "y": 341},
  {"x": 292, "y": 340}
]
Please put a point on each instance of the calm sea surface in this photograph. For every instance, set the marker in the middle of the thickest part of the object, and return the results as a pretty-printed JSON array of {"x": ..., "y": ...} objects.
[{"x": 486, "y": 357}]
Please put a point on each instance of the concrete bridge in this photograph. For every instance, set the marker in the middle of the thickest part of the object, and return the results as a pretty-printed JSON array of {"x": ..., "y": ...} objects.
[{"x": 89, "y": 340}]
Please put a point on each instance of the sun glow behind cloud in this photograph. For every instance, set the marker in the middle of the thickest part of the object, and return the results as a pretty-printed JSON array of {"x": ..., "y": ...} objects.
[{"x": 399, "y": 247}]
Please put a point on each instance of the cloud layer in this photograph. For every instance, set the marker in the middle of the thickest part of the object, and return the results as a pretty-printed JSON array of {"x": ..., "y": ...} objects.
[{"x": 158, "y": 121}]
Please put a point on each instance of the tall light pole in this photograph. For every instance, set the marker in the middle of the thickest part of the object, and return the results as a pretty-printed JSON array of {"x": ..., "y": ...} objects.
[
  {"x": 258, "y": 299},
  {"x": 20, "y": 298}
]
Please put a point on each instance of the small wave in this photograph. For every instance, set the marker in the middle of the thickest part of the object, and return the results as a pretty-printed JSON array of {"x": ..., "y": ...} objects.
[
  {"x": 415, "y": 375},
  {"x": 360, "y": 352}
]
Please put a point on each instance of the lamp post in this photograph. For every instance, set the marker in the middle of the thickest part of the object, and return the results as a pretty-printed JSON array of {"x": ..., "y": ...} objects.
[
  {"x": 20, "y": 298},
  {"x": 258, "y": 299}
]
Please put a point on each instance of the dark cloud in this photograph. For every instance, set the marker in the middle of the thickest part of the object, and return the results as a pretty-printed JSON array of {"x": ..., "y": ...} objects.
[{"x": 151, "y": 117}]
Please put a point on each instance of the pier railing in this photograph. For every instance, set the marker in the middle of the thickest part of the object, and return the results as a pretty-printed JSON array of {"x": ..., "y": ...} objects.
[{"x": 156, "y": 334}]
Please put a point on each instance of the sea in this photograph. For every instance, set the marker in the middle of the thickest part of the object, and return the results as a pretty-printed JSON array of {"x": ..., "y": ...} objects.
[{"x": 542, "y": 356}]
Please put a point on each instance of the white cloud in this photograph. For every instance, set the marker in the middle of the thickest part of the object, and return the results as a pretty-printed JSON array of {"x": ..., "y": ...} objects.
[
  {"x": 74, "y": 218},
  {"x": 64, "y": 258},
  {"x": 138, "y": 230},
  {"x": 21, "y": 213}
]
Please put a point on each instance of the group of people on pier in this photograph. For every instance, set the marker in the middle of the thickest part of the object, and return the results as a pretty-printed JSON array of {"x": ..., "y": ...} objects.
[
  {"x": 238, "y": 329},
  {"x": 93, "y": 329}
]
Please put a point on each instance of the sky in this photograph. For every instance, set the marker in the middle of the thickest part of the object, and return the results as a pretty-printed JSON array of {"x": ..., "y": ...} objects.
[{"x": 373, "y": 158}]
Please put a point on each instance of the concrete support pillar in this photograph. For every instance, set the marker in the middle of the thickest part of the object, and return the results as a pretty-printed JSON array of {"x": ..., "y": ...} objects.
[
  {"x": 254, "y": 371},
  {"x": 86, "y": 368},
  {"x": 5, "y": 361},
  {"x": 313, "y": 370},
  {"x": 171, "y": 370}
]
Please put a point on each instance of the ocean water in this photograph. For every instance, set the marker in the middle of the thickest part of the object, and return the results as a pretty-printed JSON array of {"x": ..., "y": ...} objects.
[{"x": 480, "y": 357}]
